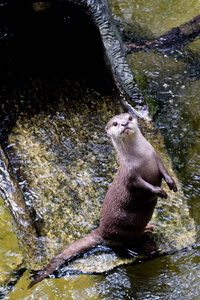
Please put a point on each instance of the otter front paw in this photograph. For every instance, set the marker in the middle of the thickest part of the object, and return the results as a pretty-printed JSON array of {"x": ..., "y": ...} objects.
[
  {"x": 171, "y": 184},
  {"x": 161, "y": 193}
]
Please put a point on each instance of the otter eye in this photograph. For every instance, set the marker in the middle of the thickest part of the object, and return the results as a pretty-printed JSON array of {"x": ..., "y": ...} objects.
[
  {"x": 130, "y": 118},
  {"x": 114, "y": 123}
]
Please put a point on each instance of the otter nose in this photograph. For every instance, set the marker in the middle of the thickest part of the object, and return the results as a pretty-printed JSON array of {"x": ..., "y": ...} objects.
[{"x": 124, "y": 123}]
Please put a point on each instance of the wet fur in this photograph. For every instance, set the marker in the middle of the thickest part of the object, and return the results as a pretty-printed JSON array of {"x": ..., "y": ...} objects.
[{"x": 132, "y": 196}]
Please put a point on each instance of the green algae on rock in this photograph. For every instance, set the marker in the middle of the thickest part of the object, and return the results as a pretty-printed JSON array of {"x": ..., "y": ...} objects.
[{"x": 68, "y": 163}]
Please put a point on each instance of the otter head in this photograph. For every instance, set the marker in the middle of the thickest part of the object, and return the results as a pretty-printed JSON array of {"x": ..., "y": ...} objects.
[{"x": 122, "y": 126}]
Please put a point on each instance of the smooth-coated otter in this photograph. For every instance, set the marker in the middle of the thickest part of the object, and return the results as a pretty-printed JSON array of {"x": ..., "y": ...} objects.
[{"x": 132, "y": 196}]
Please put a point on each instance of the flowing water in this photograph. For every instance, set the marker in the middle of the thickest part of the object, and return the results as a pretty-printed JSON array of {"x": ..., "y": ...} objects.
[{"x": 170, "y": 82}]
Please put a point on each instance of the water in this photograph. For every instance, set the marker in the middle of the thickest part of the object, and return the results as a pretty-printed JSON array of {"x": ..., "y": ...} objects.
[
  {"x": 10, "y": 253},
  {"x": 173, "y": 86},
  {"x": 157, "y": 16},
  {"x": 172, "y": 83}
]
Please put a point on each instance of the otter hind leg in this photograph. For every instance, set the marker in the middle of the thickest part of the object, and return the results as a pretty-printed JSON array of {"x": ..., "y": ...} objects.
[{"x": 149, "y": 245}]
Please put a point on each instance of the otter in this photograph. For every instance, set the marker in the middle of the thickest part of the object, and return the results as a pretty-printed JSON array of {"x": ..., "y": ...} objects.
[{"x": 131, "y": 198}]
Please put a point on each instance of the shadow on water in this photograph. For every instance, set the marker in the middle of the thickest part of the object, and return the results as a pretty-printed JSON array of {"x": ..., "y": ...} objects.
[
  {"x": 45, "y": 45},
  {"x": 49, "y": 40}
]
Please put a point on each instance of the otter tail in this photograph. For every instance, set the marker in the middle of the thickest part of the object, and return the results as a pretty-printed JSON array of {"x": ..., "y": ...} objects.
[{"x": 68, "y": 252}]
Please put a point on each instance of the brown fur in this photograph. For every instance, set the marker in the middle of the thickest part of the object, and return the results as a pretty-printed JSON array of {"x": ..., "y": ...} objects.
[{"x": 132, "y": 196}]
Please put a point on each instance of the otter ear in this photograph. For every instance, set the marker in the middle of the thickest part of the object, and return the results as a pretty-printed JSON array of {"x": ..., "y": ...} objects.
[{"x": 106, "y": 128}]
